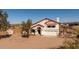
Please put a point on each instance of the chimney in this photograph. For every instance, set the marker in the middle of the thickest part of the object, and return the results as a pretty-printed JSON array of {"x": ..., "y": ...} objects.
[{"x": 58, "y": 19}]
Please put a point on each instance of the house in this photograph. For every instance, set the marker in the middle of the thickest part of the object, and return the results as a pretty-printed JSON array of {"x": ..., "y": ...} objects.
[{"x": 48, "y": 27}]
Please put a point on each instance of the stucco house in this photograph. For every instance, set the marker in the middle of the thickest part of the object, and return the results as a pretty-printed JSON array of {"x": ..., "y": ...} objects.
[{"x": 48, "y": 27}]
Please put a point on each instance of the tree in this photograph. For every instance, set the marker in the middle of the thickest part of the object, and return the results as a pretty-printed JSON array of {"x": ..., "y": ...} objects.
[
  {"x": 1, "y": 11},
  {"x": 1, "y": 18},
  {"x": 26, "y": 26},
  {"x": 4, "y": 24},
  {"x": 29, "y": 23},
  {"x": 23, "y": 26}
]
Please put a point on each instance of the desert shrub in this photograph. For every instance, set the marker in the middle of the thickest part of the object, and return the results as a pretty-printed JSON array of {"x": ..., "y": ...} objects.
[
  {"x": 77, "y": 36},
  {"x": 77, "y": 31},
  {"x": 74, "y": 43},
  {"x": 71, "y": 44}
]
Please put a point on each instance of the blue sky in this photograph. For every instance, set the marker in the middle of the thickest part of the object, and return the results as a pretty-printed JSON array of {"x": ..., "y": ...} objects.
[{"x": 19, "y": 15}]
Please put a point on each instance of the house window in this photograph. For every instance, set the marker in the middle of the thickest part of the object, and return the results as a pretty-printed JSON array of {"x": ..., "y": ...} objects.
[
  {"x": 51, "y": 26},
  {"x": 48, "y": 26}
]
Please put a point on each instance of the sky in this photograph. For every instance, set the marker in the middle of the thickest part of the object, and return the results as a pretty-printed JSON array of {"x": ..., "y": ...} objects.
[{"x": 19, "y": 15}]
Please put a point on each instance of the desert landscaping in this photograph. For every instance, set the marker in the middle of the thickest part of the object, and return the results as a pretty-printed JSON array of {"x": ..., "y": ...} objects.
[
  {"x": 33, "y": 42},
  {"x": 46, "y": 33}
]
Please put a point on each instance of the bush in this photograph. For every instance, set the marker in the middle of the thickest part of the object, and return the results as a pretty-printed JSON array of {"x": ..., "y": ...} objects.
[
  {"x": 70, "y": 44},
  {"x": 77, "y": 36}
]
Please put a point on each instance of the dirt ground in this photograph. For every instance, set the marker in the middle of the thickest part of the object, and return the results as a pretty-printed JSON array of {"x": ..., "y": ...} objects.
[{"x": 33, "y": 42}]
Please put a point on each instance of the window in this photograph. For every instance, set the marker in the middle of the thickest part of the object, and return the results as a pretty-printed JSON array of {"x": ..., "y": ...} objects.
[
  {"x": 51, "y": 26},
  {"x": 48, "y": 26}
]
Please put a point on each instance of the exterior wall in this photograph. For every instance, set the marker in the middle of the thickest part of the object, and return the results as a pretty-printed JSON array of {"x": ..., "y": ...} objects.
[
  {"x": 50, "y": 31},
  {"x": 47, "y": 31}
]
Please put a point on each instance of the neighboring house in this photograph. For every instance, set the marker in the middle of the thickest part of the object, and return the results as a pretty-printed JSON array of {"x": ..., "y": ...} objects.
[
  {"x": 71, "y": 23},
  {"x": 48, "y": 27}
]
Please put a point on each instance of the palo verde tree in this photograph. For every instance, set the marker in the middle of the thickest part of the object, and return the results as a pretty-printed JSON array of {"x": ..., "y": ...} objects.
[{"x": 4, "y": 24}]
